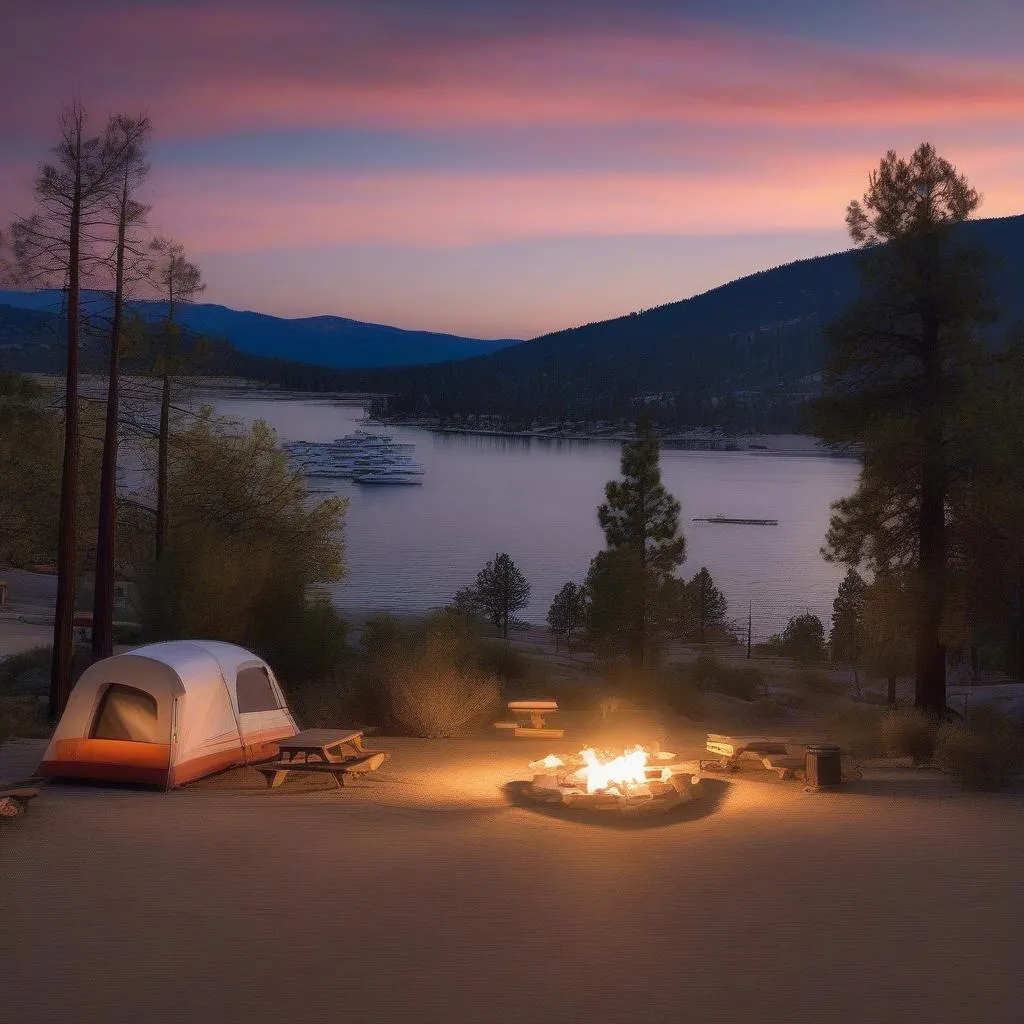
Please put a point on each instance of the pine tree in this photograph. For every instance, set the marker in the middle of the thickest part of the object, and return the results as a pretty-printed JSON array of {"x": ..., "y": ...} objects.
[
  {"x": 501, "y": 591},
  {"x": 896, "y": 381},
  {"x": 708, "y": 604},
  {"x": 845, "y": 642},
  {"x": 567, "y": 613},
  {"x": 640, "y": 520}
]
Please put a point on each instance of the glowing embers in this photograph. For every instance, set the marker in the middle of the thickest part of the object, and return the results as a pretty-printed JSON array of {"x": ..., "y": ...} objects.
[{"x": 636, "y": 781}]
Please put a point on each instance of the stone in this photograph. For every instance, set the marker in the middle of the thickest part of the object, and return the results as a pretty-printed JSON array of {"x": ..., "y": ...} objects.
[{"x": 10, "y": 808}]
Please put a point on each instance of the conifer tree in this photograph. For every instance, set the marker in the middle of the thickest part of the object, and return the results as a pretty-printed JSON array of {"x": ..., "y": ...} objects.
[
  {"x": 644, "y": 548},
  {"x": 895, "y": 384}
]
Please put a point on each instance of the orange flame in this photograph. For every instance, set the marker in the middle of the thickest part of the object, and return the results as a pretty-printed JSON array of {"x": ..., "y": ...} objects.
[{"x": 627, "y": 769}]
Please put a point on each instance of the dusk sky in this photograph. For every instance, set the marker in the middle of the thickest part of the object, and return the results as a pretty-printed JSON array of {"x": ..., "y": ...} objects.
[{"x": 505, "y": 169}]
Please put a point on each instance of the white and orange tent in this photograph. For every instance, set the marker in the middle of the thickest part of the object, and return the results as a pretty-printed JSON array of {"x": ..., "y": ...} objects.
[{"x": 169, "y": 713}]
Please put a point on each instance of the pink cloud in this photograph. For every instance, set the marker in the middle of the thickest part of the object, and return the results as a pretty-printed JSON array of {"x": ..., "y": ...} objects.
[
  {"x": 230, "y": 68},
  {"x": 238, "y": 210}
]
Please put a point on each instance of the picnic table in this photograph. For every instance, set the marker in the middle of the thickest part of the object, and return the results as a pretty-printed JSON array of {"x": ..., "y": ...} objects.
[
  {"x": 331, "y": 751},
  {"x": 530, "y": 719}
]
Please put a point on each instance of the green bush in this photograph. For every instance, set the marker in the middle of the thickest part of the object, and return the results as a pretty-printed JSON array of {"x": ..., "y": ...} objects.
[
  {"x": 908, "y": 732},
  {"x": 304, "y": 640},
  {"x": 984, "y": 752}
]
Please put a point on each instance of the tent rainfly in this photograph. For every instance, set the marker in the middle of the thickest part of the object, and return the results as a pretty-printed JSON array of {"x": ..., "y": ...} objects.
[{"x": 167, "y": 714}]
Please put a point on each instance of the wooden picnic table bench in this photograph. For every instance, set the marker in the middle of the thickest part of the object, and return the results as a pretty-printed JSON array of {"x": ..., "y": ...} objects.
[
  {"x": 783, "y": 755},
  {"x": 331, "y": 751},
  {"x": 530, "y": 719}
]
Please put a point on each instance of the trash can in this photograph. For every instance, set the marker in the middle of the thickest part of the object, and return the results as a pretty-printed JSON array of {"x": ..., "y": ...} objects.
[{"x": 823, "y": 765}]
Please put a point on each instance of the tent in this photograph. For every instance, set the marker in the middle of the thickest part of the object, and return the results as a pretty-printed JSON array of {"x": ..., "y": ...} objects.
[{"x": 166, "y": 714}]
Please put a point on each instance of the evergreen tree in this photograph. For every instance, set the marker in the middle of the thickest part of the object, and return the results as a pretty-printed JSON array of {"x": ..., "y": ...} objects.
[
  {"x": 845, "y": 642},
  {"x": 803, "y": 639},
  {"x": 567, "y": 613},
  {"x": 501, "y": 591},
  {"x": 708, "y": 604},
  {"x": 896, "y": 381},
  {"x": 626, "y": 582},
  {"x": 888, "y": 626}
]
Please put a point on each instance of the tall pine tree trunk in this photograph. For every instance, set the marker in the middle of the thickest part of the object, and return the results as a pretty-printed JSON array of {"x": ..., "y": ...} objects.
[
  {"x": 930, "y": 653},
  {"x": 161, "y": 468},
  {"x": 103, "y": 594},
  {"x": 62, "y": 663}
]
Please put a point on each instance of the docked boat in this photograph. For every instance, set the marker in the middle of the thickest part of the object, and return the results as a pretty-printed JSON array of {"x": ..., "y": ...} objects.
[{"x": 390, "y": 476}]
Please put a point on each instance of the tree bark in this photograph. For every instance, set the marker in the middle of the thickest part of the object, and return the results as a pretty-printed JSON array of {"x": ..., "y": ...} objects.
[
  {"x": 930, "y": 653},
  {"x": 62, "y": 663},
  {"x": 161, "y": 468},
  {"x": 891, "y": 696},
  {"x": 103, "y": 592}
]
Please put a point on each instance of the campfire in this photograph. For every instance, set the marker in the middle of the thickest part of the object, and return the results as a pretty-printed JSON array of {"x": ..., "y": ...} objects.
[{"x": 636, "y": 781}]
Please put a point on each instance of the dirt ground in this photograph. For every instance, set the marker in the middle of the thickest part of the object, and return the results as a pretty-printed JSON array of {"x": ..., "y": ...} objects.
[{"x": 422, "y": 895}]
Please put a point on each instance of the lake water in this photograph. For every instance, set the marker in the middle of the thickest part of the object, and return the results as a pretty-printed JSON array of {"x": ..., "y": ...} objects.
[{"x": 411, "y": 548}]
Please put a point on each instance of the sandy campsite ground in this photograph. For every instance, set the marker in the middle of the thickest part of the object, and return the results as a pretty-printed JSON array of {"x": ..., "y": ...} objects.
[{"x": 422, "y": 895}]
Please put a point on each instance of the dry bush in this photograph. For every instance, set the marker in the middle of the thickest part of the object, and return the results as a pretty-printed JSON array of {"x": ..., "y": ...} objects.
[
  {"x": 431, "y": 693},
  {"x": 908, "y": 732},
  {"x": 856, "y": 729},
  {"x": 984, "y": 752}
]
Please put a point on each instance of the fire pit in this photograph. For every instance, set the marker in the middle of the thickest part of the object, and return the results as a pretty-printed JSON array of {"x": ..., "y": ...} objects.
[{"x": 636, "y": 781}]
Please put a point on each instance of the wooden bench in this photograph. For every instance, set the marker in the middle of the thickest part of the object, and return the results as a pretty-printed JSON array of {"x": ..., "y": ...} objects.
[
  {"x": 15, "y": 801},
  {"x": 275, "y": 772},
  {"x": 530, "y": 719}
]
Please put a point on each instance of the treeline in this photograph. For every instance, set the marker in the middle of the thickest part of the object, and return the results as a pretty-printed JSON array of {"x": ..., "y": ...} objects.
[{"x": 88, "y": 238}]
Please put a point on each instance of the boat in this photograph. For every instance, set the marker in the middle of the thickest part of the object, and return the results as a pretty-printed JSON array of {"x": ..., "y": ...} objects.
[
  {"x": 390, "y": 476},
  {"x": 740, "y": 522}
]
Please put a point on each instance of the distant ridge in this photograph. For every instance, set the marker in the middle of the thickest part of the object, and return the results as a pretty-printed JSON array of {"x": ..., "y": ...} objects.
[
  {"x": 744, "y": 356},
  {"x": 332, "y": 341}
]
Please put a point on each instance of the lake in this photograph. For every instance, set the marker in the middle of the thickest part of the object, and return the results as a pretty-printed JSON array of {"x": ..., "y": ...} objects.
[{"x": 410, "y": 548}]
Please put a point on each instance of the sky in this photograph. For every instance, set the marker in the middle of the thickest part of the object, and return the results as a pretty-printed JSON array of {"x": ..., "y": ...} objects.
[{"x": 506, "y": 169}]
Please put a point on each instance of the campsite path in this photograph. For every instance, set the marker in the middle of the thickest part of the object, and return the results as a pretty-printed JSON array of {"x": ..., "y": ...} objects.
[{"x": 898, "y": 899}]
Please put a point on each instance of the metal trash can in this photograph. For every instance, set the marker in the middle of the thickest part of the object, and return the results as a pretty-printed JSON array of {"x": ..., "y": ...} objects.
[{"x": 823, "y": 765}]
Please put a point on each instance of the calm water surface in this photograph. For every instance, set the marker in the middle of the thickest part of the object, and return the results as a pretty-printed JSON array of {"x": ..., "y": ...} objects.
[{"x": 411, "y": 548}]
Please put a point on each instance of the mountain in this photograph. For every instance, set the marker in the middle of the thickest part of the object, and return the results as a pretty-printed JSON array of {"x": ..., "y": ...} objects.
[
  {"x": 744, "y": 356},
  {"x": 321, "y": 340}
]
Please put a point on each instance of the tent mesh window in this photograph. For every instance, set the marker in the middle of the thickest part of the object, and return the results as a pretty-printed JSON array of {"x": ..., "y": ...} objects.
[
  {"x": 126, "y": 713},
  {"x": 255, "y": 692}
]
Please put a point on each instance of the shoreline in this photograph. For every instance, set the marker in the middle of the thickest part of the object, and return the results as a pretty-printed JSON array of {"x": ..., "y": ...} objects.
[{"x": 683, "y": 441}]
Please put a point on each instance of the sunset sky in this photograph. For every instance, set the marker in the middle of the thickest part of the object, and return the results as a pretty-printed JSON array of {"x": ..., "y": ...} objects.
[{"x": 509, "y": 168}]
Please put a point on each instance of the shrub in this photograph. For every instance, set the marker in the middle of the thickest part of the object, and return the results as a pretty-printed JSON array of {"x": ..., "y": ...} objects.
[
  {"x": 304, "y": 641},
  {"x": 503, "y": 661},
  {"x": 856, "y": 729},
  {"x": 984, "y": 752},
  {"x": 26, "y": 672},
  {"x": 908, "y": 732},
  {"x": 430, "y": 694},
  {"x": 815, "y": 681}
]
